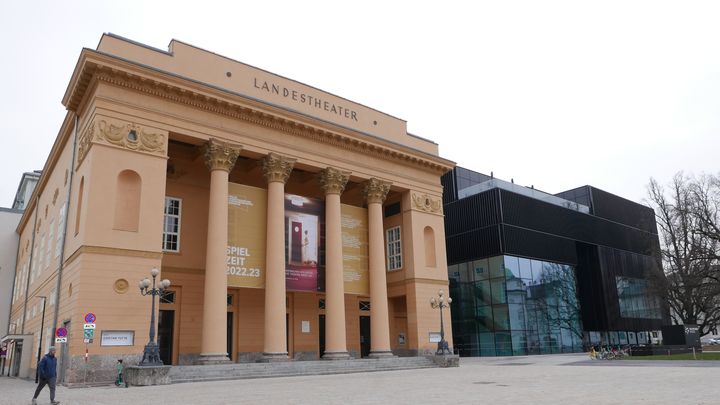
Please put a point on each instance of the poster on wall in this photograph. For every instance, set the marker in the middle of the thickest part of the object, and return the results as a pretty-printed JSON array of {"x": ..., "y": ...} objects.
[
  {"x": 304, "y": 242},
  {"x": 304, "y": 219},
  {"x": 355, "y": 249},
  {"x": 247, "y": 230}
]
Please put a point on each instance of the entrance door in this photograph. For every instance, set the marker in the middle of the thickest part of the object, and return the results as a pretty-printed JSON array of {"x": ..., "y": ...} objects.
[
  {"x": 364, "y": 336},
  {"x": 230, "y": 335},
  {"x": 321, "y": 330},
  {"x": 17, "y": 356},
  {"x": 166, "y": 323}
]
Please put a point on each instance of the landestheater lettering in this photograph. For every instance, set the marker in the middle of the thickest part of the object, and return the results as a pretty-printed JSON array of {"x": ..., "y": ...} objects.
[{"x": 303, "y": 98}]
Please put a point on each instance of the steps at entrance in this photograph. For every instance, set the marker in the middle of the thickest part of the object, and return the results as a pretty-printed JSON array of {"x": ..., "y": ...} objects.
[{"x": 236, "y": 371}]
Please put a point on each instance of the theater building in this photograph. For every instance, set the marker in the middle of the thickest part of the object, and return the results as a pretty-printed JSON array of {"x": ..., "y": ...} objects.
[
  {"x": 291, "y": 223},
  {"x": 534, "y": 273}
]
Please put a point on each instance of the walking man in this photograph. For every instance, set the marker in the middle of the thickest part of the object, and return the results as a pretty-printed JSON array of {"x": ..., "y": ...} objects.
[{"x": 47, "y": 374}]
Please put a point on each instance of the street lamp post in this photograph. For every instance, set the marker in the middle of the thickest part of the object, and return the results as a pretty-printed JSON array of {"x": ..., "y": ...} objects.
[
  {"x": 42, "y": 325},
  {"x": 151, "y": 354},
  {"x": 441, "y": 303}
]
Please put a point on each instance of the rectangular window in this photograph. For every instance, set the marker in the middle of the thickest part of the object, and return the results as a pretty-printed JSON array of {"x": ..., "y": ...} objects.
[
  {"x": 50, "y": 239},
  {"x": 171, "y": 225},
  {"x": 394, "y": 249},
  {"x": 60, "y": 230}
]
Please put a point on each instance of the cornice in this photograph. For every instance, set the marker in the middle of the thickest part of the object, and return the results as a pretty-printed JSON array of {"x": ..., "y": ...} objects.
[{"x": 101, "y": 71}]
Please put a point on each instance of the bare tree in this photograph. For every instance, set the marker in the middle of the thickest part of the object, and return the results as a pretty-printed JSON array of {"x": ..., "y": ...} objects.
[{"x": 687, "y": 218}]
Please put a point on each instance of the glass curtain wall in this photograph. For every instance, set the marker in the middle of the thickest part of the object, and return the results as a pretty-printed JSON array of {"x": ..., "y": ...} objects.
[{"x": 506, "y": 305}]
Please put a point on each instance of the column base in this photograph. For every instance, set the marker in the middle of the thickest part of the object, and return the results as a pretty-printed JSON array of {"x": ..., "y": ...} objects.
[
  {"x": 381, "y": 354},
  {"x": 336, "y": 356},
  {"x": 274, "y": 357},
  {"x": 213, "y": 358}
]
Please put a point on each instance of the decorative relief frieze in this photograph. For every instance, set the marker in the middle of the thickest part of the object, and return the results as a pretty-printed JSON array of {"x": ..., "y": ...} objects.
[
  {"x": 121, "y": 134},
  {"x": 131, "y": 136},
  {"x": 84, "y": 142},
  {"x": 277, "y": 167},
  {"x": 220, "y": 155},
  {"x": 376, "y": 190},
  {"x": 333, "y": 181},
  {"x": 427, "y": 203}
]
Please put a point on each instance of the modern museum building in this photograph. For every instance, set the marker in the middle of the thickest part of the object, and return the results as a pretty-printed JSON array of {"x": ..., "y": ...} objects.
[{"x": 534, "y": 273}]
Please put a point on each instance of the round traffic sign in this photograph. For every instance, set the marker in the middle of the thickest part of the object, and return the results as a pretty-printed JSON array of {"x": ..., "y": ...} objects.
[
  {"x": 61, "y": 332},
  {"x": 89, "y": 317}
]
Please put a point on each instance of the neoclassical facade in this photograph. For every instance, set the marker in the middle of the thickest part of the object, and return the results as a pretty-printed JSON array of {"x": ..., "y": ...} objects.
[{"x": 292, "y": 223}]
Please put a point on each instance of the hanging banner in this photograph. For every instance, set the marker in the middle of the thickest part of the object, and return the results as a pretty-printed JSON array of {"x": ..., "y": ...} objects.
[
  {"x": 355, "y": 249},
  {"x": 247, "y": 230},
  {"x": 304, "y": 242},
  {"x": 304, "y": 218}
]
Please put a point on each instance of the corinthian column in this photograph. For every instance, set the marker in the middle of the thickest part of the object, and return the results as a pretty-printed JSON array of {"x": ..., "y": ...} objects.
[
  {"x": 220, "y": 158},
  {"x": 276, "y": 170},
  {"x": 333, "y": 182},
  {"x": 375, "y": 192}
]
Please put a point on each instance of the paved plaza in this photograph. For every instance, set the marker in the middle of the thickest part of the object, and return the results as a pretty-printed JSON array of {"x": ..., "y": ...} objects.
[{"x": 553, "y": 379}]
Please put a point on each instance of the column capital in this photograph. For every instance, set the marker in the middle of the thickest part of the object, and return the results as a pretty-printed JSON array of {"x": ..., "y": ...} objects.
[
  {"x": 376, "y": 190},
  {"x": 333, "y": 180},
  {"x": 277, "y": 167},
  {"x": 220, "y": 155}
]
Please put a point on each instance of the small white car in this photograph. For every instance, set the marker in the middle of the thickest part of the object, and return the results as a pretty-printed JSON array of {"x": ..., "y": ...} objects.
[{"x": 714, "y": 341}]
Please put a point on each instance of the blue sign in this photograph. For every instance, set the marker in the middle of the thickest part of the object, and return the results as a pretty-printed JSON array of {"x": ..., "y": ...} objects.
[{"x": 89, "y": 317}]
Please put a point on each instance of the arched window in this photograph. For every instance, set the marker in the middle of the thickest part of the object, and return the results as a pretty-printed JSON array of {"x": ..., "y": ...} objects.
[
  {"x": 429, "y": 247},
  {"x": 81, "y": 190},
  {"x": 127, "y": 201}
]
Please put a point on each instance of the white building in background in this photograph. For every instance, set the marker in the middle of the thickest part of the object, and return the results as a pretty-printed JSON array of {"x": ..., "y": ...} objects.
[{"x": 25, "y": 189}]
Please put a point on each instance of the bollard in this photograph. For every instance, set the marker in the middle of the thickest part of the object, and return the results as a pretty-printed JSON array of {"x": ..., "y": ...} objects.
[{"x": 694, "y": 356}]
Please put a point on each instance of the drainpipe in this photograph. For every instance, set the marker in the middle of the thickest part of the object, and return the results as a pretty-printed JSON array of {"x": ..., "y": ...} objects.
[{"x": 56, "y": 312}]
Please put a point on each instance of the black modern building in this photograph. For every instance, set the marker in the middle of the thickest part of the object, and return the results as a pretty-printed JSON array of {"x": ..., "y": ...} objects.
[{"x": 531, "y": 272}]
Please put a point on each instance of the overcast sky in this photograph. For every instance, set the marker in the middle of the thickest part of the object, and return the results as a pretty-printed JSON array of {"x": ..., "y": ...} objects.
[{"x": 551, "y": 94}]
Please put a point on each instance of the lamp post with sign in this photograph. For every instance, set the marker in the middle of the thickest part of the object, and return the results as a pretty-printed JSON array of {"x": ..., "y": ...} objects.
[
  {"x": 441, "y": 303},
  {"x": 151, "y": 354}
]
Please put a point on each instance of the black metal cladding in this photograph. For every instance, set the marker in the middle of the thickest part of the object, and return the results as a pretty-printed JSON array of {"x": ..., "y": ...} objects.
[
  {"x": 529, "y": 213},
  {"x": 528, "y": 243},
  {"x": 620, "y": 210},
  {"x": 475, "y": 244},
  {"x": 476, "y": 211},
  {"x": 449, "y": 186}
]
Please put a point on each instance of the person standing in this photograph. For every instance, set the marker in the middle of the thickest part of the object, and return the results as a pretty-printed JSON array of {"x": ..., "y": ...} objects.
[{"x": 47, "y": 375}]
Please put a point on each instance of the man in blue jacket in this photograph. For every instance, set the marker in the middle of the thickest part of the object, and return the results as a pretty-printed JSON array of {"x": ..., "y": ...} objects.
[{"x": 47, "y": 374}]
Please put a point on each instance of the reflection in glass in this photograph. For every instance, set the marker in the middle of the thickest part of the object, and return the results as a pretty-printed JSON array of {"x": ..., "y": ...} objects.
[
  {"x": 520, "y": 306},
  {"x": 525, "y": 268}
]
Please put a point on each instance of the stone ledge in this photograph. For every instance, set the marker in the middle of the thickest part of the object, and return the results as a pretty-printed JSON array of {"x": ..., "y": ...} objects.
[
  {"x": 446, "y": 360},
  {"x": 148, "y": 375}
]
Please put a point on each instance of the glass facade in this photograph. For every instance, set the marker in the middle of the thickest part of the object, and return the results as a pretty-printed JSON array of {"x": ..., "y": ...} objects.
[
  {"x": 635, "y": 299},
  {"x": 507, "y": 305}
]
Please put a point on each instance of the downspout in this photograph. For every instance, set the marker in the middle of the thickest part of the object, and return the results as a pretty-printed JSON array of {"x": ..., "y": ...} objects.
[
  {"x": 56, "y": 312},
  {"x": 30, "y": 264}
]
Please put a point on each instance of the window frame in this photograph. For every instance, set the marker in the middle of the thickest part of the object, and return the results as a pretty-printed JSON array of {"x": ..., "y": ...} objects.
[
  {"x": 179, "y": 224},
  {"x": 399, "y": 254}
]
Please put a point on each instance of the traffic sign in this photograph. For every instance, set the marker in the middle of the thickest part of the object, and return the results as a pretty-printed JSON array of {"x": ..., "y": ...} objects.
[
  {"x": 89, "y": 333},
  {"x": 60, "y": 340},
  {"x": 90, "y": 317},
  {"x": 61, "y": 332},
  {"x": 89, "y": 326}
]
